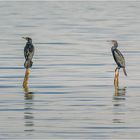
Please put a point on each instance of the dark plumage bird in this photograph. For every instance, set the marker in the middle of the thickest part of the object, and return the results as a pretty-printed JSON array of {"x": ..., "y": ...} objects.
[
  {"x": 28, "y": 53},
  {"x": 118, "y": 57}
]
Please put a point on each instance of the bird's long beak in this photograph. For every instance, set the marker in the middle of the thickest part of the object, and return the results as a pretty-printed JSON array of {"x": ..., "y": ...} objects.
[
  {"x": 109, "y": 41},
  {"x": 24, "y": 38}
]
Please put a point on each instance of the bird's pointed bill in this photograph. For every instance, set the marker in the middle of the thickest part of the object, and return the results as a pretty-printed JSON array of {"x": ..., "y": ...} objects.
[{"x": 24, "y": 38}]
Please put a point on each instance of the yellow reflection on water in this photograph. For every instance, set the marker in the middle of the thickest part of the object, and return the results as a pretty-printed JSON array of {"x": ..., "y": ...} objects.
[
  {"x": 119, "y": 109},
  {"x": 29, "y": 103},
  {"x": 118, "y": 101},
  {"x": 28, "y": 113},
  {"x": 120, "y": 91}
]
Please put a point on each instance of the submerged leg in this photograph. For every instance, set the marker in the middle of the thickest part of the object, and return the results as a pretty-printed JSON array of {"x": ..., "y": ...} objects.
[
  {"x": 116, "y": 78},
  {"x": 26, "y": 78}
]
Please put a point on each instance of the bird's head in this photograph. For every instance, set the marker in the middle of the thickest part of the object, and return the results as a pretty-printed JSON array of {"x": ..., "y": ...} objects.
[
  {"x": 28, "y": 39},
  {"x": 113, "y": 42}
]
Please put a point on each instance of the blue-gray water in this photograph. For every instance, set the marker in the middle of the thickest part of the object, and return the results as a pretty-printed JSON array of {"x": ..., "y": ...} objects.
[{"x": 71, "y": 93}]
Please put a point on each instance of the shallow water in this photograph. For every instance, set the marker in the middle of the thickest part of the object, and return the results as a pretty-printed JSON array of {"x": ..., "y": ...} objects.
[{"x": 71, "y": 92}]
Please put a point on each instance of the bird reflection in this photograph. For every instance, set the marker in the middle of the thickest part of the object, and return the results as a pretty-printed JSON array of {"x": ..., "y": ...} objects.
[
  {"x": 28, "y": 114},
  {"x": 119, "y": 93},
  {"x": 119, "y": 105}
]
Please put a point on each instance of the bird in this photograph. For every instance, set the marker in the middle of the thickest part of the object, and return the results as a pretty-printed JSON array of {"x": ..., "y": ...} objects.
[
  {"x": 28, "y": 52},
  {"x": 118, "y": 57}
]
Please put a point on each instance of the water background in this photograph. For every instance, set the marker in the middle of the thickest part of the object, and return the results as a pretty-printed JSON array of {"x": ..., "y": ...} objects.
[{"x": 71, "y": 92}]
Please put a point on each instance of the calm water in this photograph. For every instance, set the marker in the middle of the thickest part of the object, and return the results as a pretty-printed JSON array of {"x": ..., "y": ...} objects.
[{"x": 71, "y": 93}]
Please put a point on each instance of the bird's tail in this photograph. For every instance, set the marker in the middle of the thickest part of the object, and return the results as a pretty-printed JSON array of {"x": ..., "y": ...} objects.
[
  {"x": 124, "y": 71},
  {"x": 28, "y": 64}
]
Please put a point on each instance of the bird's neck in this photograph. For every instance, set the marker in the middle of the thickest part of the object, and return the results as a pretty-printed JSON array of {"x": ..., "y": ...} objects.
[
  {"x": 29, "y": 42},
  {"x": 114, "y": 46}
]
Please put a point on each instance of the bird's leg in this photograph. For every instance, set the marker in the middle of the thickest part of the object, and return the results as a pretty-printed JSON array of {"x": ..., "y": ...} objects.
[
  {"x": 26, "y": 78},
  {"x": 116, "y": 78}
]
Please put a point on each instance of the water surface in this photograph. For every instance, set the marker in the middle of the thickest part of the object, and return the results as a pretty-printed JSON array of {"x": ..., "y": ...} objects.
[{"x": 71, "y": 92}]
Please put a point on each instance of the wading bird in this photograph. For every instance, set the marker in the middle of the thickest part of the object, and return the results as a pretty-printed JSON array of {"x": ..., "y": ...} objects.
[
  {"x": 28, "y": 53},
  {"x": 119, "y": 59}
]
